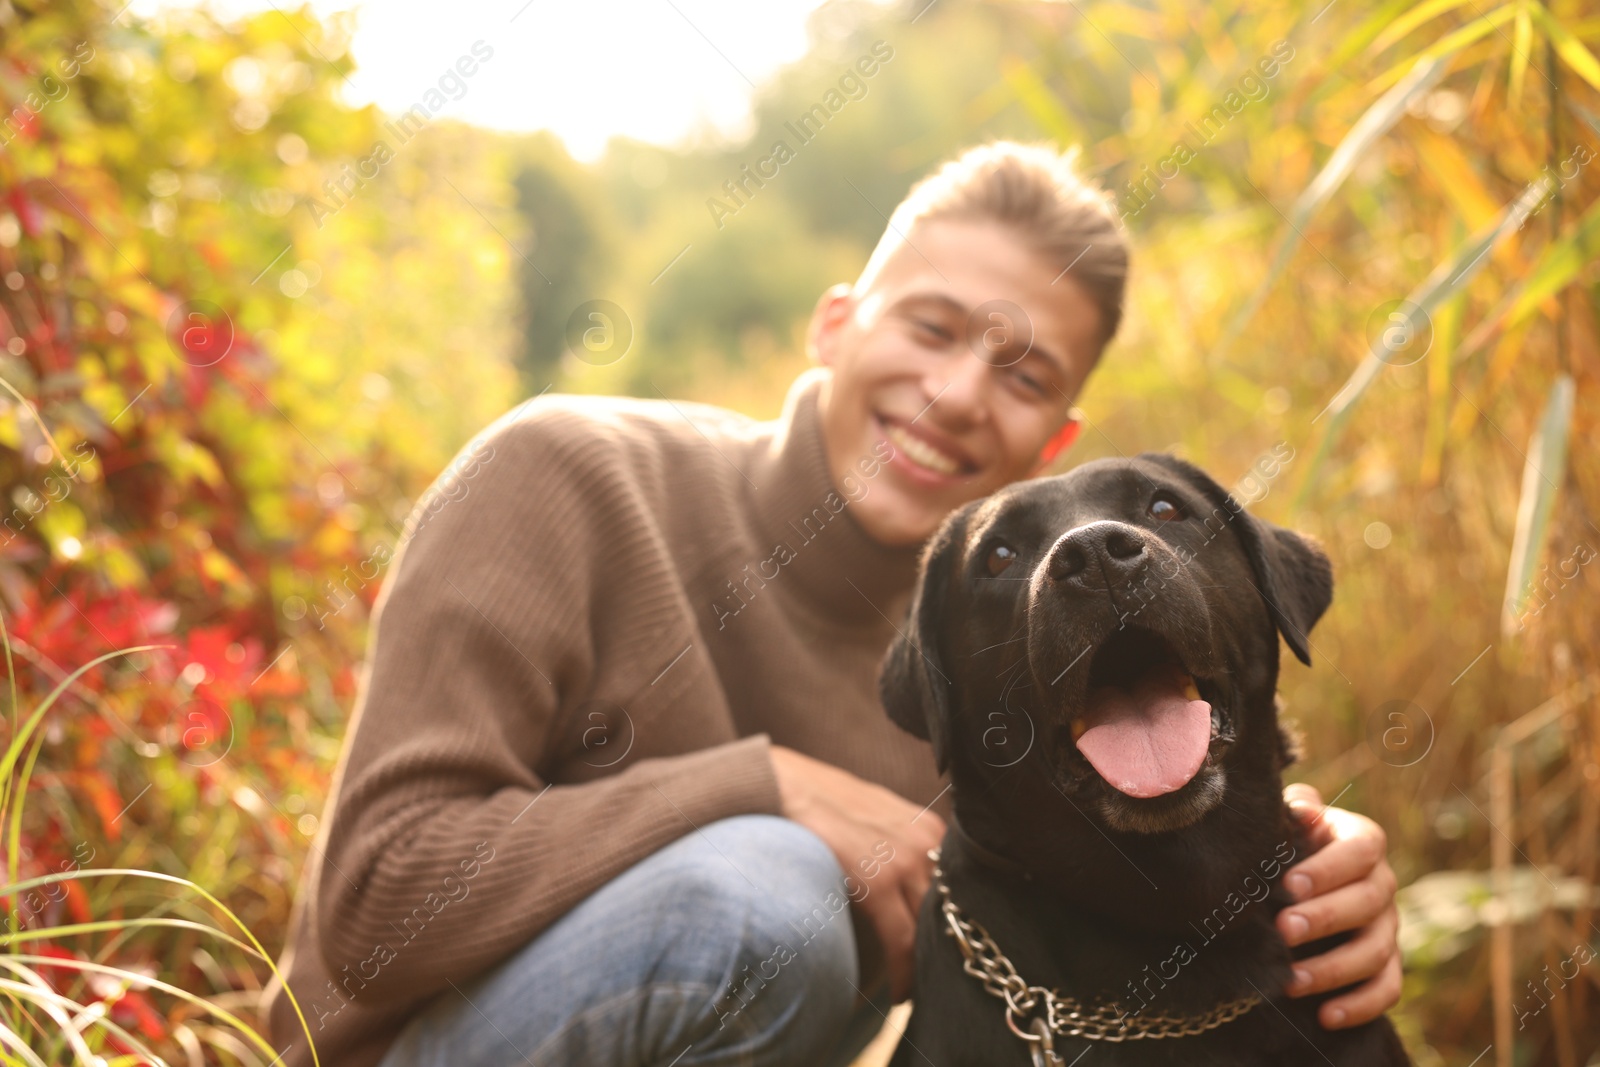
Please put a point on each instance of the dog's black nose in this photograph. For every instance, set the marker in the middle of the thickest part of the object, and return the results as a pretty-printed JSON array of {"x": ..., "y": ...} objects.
[{"x": 1113, "y": 547}]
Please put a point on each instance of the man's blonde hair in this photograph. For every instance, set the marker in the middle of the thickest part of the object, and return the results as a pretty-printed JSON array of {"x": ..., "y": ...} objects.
[{"x": 1035, "y": 191}]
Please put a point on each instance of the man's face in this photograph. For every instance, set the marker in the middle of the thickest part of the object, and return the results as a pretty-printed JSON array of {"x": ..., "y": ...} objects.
[{"x": 923, "y": 358}]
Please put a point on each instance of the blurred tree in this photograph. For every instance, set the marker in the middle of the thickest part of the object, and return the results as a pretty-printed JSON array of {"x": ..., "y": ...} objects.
[{"x": 568, "y": 258}]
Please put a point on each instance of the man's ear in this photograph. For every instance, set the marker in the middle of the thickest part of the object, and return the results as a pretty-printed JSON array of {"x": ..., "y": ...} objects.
[
  {"x": 912, "y": 683},
  {"x": 1292, "y": 572},
  {"x": 834, "y": 308},
  {"x": 1060, "y": 441}
]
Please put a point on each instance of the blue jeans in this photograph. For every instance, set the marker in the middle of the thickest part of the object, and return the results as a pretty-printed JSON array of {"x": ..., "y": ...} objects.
[{"x": 721, "y": 948}]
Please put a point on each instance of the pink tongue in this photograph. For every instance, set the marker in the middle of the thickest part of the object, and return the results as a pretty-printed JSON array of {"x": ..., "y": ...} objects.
[{"x": 1149, "y": 741}]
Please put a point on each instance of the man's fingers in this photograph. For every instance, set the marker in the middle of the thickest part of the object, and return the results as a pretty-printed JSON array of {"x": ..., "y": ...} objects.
[
  {"x": 1366, "y": 1003},
  {"x": 1302, "y": 798},
  {"x": 1360, "y": 958},
  {"x": 916, "y": 881},
  {"x": 1347, "y": 908},
  {"x": 1355, "y": 851},
  {"x": 926, "y": 832},
  {"x": 896, "y": 925}
]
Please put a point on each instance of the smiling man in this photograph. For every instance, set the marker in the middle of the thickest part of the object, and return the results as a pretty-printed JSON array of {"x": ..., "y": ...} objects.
[{"x": 618, "y": 788}]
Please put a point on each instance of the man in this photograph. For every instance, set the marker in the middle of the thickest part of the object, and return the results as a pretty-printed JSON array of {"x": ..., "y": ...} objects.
[{"x": 618, "y": 789}]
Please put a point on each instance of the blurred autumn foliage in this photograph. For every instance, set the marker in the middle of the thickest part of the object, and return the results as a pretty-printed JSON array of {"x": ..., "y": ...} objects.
[
  {"x": 194, "y": 458},
  {"x": 236, "y": 350}
]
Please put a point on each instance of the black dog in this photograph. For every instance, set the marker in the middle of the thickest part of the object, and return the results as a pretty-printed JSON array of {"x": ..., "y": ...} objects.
[{"x": 1094, "y": 657}]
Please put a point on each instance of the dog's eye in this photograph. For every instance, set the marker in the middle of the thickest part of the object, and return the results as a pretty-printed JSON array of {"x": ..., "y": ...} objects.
[
  {"x": 1165, "y": 509},
  {"x": 1000, "y": 557}
]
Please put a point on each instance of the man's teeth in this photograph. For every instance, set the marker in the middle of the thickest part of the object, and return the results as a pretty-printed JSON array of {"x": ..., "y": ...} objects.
[{"x": 920, "y": 451}]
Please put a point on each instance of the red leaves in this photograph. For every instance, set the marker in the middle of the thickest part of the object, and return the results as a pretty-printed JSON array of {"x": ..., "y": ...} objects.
[
  {"x": 68, "y": 630},
  {"x": 229, "y": 665},
  {"x": 29, "y": 214}
]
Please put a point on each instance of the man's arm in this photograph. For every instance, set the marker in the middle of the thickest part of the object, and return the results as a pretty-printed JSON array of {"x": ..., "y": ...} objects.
[
  {"x": 448, "y": 847},
  {"x": 1346, "y": 884}
]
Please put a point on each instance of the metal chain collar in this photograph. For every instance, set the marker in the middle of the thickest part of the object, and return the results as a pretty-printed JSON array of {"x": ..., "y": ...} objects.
[{"x": 1061, "y": 1016}]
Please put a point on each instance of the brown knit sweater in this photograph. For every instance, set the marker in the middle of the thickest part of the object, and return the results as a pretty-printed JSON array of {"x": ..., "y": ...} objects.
[{"x": 581, "y": 655}]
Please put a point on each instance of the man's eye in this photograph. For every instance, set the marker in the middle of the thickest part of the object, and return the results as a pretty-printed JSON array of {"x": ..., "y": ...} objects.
[
  {"x": 1000, "y": 557},
  {"x": 932, "y": 329},
  {"x": 1030, "y": 383},
  {"x": 1164, "y": 509}
]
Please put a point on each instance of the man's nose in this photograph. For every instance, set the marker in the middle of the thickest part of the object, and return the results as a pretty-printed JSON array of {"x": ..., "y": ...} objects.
[
  {"x": 1097, "y": 553},
  {"x": 957, "y": 385}
]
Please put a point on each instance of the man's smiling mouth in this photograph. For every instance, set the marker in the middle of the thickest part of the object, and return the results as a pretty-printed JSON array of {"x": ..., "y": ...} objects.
[{"x": 923, "y": 452}]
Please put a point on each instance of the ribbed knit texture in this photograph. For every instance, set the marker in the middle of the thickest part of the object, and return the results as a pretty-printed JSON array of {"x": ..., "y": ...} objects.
[{"x": 581, "y": 657}]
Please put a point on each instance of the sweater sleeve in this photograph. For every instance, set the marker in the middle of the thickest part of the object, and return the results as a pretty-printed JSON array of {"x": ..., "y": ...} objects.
[{"x": 446, "y": 849}]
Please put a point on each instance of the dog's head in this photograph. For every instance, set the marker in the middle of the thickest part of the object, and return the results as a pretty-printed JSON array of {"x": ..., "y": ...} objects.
[{"x": 1112, "y": 631}]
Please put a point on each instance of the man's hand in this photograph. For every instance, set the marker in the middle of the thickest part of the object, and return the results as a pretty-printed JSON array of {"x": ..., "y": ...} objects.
[
  {"x": 1345, "y": 885},
  {"x": 855, "y": 818}
]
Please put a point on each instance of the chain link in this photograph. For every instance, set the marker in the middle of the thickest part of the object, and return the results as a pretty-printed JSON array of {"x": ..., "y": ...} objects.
[{"x": 1062, "y": 1016}]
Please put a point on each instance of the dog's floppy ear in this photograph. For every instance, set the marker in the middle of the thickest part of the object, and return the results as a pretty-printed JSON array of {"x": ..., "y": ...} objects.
[
  {"x": 1291, "y": 570},
  {"x": 912, "y": 682}
]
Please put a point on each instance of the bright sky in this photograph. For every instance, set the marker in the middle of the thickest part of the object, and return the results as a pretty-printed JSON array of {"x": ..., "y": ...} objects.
[{"x": 657, "y": 70}]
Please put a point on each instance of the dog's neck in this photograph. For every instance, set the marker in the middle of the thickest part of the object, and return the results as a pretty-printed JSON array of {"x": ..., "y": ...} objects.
[
  {"x": 987, "y": 858},
  {"x": 1157, "y": 882}
]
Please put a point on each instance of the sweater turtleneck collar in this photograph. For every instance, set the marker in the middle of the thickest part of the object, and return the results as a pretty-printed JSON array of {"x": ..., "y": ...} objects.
[{"x": 832, "y": 561}]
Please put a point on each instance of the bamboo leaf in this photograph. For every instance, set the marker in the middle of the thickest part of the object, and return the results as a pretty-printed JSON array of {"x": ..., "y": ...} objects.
[
  {"x": 1571, "y": 50},
  {"x": 1413, "y": 18},
  {"x": 1451, "y": 43},
  {"x": 1541, "y": 479},
  {"x": 1585, "y": 114},
  {"x": 1521, "y": 50},
  {"x": 1443, "y": 158},
  {"x": 1364, "y": 34},
  {"x": 1446, "y": 279},
  {"x": 1373, "y": 124},
  {"x": 1558, "y": 265},
  {"x": 1446, "y": 336}
]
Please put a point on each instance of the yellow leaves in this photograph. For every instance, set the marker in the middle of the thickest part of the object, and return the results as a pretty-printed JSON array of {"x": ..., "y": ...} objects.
[
  {"x": 1412, "y": 19},
  {"x": 1037, "y": 99},
  {"x": 1443, "y": 158},
  {"x": 186, "y": 460},
  {"x": 1449, "y": 44},
  {"x": 117, "y": 564},
  {"x": 1571, "y": 50},
  {"x": 1559, "y": 265},
  {"x": 1521, "y": 51},
  {"x": 63, "y": 526},
  {"x": 219, "y": 568}
]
